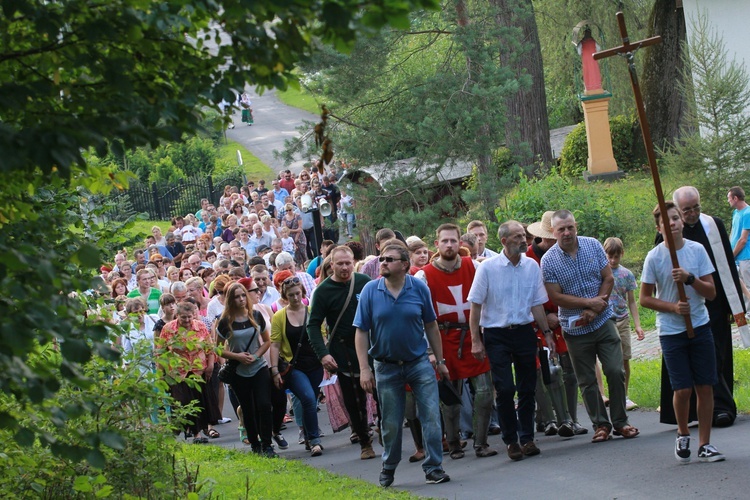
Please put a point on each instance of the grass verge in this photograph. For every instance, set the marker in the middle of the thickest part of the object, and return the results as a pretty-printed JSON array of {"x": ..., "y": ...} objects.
[
  {"x": 299, "y": 99},
  {"x": 238, "y": 474},
  {"x": 254, "y": 167},
  {"x": 645, "y": 381}
]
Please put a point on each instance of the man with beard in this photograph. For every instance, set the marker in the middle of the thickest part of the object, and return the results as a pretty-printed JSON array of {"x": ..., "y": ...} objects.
[
  {"x": 507, "y": 296},
  {"x": 710, "y": 232},
  {"x": 339, "y": 355},
  {"x": 393, "y": 317},
  {"x": 579, "y": 280},
  {"x": 449, "y": 278}
]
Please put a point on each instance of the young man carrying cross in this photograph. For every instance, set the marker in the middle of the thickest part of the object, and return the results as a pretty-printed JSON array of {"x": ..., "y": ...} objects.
[{"x": 691, "y": 362}]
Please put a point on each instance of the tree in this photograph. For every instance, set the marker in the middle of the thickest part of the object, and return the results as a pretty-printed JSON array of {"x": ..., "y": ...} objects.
[
  {"x": 714, "y": 152},
  {"x": 527, "y": 130},
  {"x": 112, "y": 75},
  {"x": 666, "y": 106}
]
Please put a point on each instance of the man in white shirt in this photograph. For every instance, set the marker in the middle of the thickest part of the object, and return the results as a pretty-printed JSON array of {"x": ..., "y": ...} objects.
[
  {"x": 268, "y": 294},
  {"x": 507, "y": 295}
]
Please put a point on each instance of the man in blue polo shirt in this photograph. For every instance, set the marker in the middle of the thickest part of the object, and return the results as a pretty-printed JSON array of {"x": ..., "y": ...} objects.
[
  {"x": 579, "y": 280},
  {"x": 392, "y": 317}
]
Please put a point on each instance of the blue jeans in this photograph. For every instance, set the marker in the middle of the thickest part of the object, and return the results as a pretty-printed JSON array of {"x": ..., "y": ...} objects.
[
  {"x": 304, "y": 385},
  {"x": 509, "y": 351},
  {"x": 391, "y": 379}
]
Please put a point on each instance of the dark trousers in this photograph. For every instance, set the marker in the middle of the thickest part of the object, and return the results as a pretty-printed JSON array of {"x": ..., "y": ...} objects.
[
  {"x": 254, "y": 396},
  {"x": 278, "y": 403},
  {"x": 509, "y": 349},
  {"x": 185, "y": 394},
  {"x": 312, "y": 244},
  {"x": 355, "y": 402}
]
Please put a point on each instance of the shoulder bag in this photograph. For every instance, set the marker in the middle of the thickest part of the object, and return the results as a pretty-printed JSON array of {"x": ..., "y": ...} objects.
[{"x": 228, "y": 372}]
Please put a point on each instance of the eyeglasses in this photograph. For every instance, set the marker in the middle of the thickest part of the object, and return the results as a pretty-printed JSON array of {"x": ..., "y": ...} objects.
[
  {"x": 695, "y": 208},
  {"x": 389, "y": 259}
]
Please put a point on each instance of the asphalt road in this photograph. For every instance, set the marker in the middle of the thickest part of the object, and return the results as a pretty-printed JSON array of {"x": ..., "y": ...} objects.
[
  {"x": 275, "y": 122},
  {"x": 573, "y": 468}
]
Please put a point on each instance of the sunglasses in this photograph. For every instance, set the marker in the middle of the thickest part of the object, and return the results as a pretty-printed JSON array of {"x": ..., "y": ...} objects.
[
  {"x": 389, "y": 259},
  {"x": 254, "y": 290},
  {"x": 291, "y": 281}
]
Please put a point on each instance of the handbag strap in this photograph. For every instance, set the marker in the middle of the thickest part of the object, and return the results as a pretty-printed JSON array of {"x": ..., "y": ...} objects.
[
  {"x": 301, "y": 337},
  {"x": 343, "y": 309}
]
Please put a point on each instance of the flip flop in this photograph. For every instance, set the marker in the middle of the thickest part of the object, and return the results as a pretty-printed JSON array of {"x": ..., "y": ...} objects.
[{"x": 213, "y": 433}]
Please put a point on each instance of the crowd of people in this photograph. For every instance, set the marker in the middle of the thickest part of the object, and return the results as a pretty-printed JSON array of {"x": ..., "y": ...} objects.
[{"x": 455, "y": 339}]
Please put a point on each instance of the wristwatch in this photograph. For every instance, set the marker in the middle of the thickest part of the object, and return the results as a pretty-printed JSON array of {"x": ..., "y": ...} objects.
[
  {"x": 690, "y": 279},
  {"x": 440, "y": 362}
]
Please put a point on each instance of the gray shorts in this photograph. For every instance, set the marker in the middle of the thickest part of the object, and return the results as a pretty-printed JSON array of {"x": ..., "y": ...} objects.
[{"x": 623, "y": 328}]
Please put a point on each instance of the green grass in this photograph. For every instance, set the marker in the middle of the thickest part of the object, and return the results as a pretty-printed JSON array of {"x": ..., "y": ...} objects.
[
  {"x": 255, "y": 169},
  {"x": 299, "y": 99},
  {"x": 238, "y": 474},
  {"x": 645, "y": 381}
]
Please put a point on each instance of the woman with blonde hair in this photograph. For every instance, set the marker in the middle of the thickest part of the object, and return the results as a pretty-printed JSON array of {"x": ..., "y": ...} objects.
[{"x": 289, "y": 343}]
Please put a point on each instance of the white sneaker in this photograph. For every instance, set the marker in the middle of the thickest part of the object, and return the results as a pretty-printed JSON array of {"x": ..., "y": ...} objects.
[
  {"x": 301, "y": 438},
  {"x": 630, "y": 405}
]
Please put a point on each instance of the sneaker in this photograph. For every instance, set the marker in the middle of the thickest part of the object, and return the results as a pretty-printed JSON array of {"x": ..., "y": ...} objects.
[
  {"x": 224, "y": 420},
  {"x": 494, "y": 430},
  {"x": 630, "y": 405},
  {"x": 301, "y": 437},
  {"x": 566, "y": 430},
  {"x": 436, "y": 477},
  {"x": 530, "y": 449},
  {"x": 550, "y": 429},
  {"x": 709, "y": 453},
  {"x": 514, "y": 452},
  {"x": 281, "y": 442},
  {"x": 682, "y": 449},
  {"x": 579, "y": 429},
  {"x": 269, "y": 453},
  {"x": 386, "y": 477}
]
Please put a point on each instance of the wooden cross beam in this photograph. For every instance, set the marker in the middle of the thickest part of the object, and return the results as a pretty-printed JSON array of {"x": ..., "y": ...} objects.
[{"x": 627, "y": 50}]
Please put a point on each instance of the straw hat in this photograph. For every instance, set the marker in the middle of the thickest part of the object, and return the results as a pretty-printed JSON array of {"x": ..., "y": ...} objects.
[{"x": 543, "y": 228}]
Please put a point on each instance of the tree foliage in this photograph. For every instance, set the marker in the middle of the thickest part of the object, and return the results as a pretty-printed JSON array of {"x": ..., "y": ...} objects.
[
  {"x": 108, "y": 76},
  {"x": 714, "y": 153}
]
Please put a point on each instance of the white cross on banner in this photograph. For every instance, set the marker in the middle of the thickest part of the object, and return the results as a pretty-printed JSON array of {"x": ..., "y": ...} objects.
[{"x": 458, "y": 307}]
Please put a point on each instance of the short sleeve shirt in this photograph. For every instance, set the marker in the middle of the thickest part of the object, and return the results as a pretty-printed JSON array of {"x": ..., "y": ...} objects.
[
  {"x": 396, "y": 325},
  {"x": 624, "y": 283},
  {"x": 740, "y": 222},
  {"x": 579, "y": 276},
  {"x": 657, "y": 270}
]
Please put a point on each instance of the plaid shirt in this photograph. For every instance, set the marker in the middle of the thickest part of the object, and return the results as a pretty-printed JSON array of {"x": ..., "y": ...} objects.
[{"x": 579, "y": 276}]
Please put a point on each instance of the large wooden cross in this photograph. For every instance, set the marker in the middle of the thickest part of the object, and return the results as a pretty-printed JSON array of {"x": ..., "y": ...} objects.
[{"x": 627, "y": 50}]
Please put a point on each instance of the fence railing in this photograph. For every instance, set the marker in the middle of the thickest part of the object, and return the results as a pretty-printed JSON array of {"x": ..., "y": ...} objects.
[{"x": 162, "y": 201}]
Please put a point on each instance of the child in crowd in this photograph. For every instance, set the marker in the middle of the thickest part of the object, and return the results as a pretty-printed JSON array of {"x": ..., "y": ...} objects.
[
  {"x": 287, "y": 241},
  {"x": 622, "y": 300},
  {"x": 691, "y": 361}
]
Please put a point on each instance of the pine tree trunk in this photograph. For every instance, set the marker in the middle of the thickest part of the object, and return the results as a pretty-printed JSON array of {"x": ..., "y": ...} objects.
[
  {"x": 662, "y": 74},
  {"x": 527, "y": 110}
]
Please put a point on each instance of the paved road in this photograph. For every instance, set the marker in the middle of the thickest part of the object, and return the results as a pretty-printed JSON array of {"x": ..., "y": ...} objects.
[
  {"x": 275, "y": 122},
  {"x": 567, "y": 468}
]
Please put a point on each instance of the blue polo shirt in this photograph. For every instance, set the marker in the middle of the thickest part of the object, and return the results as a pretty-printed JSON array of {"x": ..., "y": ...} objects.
[{"x": 396, "y": 325}]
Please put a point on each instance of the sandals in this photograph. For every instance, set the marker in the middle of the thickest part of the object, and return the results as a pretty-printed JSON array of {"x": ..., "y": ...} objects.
[
  {"x": 213, "y": 433},
  {"x": 601, "y": 434},
  {"x": 456, "y": 454},
  {"x": 628, "y": 432},
  {"x": 243, "y": 436},
  {"x": 316, "y": 451},
  {"x": 200, "y": 440}
]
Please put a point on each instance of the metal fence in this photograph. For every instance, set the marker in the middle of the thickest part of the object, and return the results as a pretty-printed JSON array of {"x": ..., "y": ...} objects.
[{"x": 162, "y": 201}]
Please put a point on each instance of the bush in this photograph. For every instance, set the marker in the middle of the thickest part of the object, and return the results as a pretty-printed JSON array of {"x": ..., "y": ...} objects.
[
  {"x": 621, "y": 209},
  {"x": 574, "y": 155}
]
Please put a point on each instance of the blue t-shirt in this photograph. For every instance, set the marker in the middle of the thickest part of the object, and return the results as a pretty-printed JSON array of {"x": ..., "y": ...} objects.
[
  {"x": 618, "y": 299},
  {"x": 740, "y": 221},
  {"x": 396, "y": 325},
  {"x": 657, "y": 270}
]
